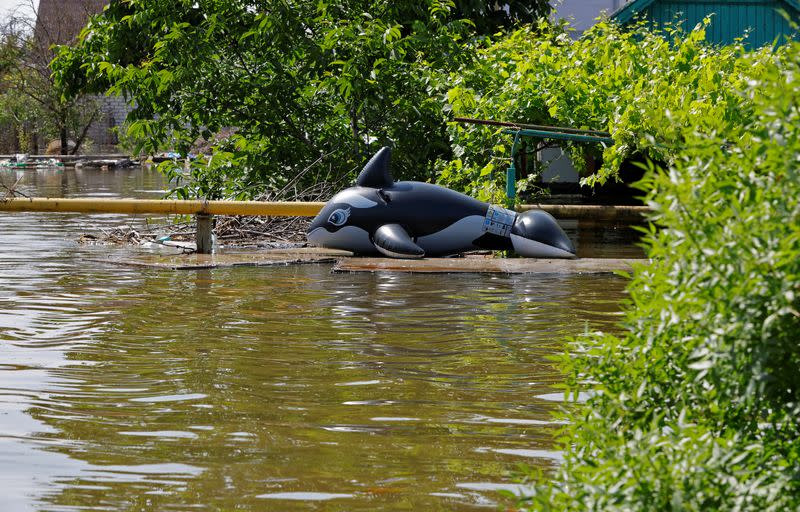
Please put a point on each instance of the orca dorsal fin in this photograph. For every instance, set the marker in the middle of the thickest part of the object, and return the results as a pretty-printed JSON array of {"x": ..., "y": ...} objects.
[{"x": 376, "y": 173}]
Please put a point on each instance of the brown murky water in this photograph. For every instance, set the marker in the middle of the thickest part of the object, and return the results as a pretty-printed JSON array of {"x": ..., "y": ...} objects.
[{"x": 267, "y": 388}]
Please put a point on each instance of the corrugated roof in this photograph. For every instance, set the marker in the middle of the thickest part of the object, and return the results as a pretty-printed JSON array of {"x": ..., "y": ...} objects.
[{"x": 625, "y": 13}]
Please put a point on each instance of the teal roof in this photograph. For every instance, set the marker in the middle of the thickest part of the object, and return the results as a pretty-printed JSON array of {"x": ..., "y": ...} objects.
[
  {"x": 731, "y": 18},
  {"x": 625, "y": 13}
]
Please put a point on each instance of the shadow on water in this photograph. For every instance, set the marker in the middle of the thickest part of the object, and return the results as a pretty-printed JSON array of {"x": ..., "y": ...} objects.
[{"x": 270, "y": 388}]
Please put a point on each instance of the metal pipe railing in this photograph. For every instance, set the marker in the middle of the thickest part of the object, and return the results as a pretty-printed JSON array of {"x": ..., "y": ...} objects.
[
  {"x": 517, "y": 126},
  {"x": 205, "y": 209},
  {"x": 162, "y": 206}
]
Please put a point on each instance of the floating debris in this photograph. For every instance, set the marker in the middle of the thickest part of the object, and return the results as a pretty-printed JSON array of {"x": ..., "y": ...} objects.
[
  {"x": 229, "y": 231},
  {"x": 21, "y": 162},
  {"x": 105, "y": 164}
]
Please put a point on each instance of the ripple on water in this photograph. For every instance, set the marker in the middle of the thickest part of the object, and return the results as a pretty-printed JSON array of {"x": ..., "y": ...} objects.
[
  {"x": 304, "y": 496},
  {"x": 225, "y": 388},
  {"x": 169, "y": 398}
]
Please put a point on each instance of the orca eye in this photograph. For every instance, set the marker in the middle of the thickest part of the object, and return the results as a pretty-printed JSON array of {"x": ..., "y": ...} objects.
[{"x": 339, "y": 217}]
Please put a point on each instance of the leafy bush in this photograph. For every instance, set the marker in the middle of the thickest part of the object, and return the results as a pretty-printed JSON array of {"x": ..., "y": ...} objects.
[
  {"x": 697, "y": 406},
  {"x": 302, "y": 81},
  {"x": 644, "y": 87},
  {"x": 299, "y": 80}
]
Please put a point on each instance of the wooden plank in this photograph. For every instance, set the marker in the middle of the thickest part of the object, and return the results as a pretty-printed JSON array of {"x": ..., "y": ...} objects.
[{"x": 487, "y": 265}]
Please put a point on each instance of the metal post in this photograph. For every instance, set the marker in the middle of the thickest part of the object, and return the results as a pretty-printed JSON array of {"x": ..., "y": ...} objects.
[
  {"x": 511, "y": 183},
  {"x": 511, "y": 174},
  {"x": 205, "y": 242}
]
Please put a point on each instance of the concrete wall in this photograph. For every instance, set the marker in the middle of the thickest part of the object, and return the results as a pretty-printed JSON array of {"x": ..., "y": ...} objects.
[
  {"x": 559, "y": 167},
  {"x": 59, "y": 22}
]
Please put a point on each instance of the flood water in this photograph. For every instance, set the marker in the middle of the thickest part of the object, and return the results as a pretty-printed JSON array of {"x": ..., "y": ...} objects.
[{"x": 286, "y": 388}]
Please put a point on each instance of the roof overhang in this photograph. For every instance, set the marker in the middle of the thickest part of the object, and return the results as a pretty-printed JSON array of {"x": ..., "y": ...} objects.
[{"x": 625, "y": 13}]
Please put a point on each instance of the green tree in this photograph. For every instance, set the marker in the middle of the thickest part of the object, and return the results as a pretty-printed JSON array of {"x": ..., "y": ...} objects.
[
  {"x": 695, "y": 405},
  {"x": 643, "y": 87},
  {"x": 33, "y": 106},
  {"x": 490, "y": 16},
  {"x": 299, "y": 81}
]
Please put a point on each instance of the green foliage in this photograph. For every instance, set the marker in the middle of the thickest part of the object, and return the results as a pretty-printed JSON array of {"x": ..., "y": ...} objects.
[
  {"x": 214, "y": 176},
  {"x": 299, "y": 80},
  {"x": 697, "y": 405},
  {"x": 31, "y": 105},
  {"x": 643, "y": 87}
]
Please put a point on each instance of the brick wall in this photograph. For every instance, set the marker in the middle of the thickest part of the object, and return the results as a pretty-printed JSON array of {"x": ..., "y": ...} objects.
[{"x": 114, "y": 110}]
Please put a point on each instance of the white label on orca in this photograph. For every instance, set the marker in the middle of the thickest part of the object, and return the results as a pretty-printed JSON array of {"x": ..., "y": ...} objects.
[{"x": 499, "y": 221}]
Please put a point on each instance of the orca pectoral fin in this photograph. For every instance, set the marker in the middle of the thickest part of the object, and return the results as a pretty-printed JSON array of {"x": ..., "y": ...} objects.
[{"x": 393, "y": 241}]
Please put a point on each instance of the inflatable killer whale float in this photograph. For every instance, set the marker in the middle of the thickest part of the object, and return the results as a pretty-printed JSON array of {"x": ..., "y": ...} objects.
[{"x": 409, "y": 219}]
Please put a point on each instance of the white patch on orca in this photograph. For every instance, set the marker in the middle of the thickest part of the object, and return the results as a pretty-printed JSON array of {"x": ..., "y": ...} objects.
[
  {"x": 352, "y": 198},
  {"x": 392, "y": 254},
  {"x": 339, "y": 217},
  {"x": 455, "y": 238},
  {"x": 533, "y": 249},
  {"x": 348, "y": 238}
]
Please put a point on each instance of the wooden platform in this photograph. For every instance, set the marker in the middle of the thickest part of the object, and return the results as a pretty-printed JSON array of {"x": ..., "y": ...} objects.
[
  {"x": 489, "y": 265},
  {"x": 343, "y": 261}
]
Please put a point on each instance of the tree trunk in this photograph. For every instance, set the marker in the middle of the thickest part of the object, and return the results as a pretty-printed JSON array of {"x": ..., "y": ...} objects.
[
  {"x": 356, "y": 134},
  {"x": 64, "y": 141},
  {"x": 82, "y": 136}
]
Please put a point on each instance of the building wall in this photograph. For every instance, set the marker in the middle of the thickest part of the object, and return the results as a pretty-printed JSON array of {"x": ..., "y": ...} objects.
[
  {"x": 558, "y": 166},
  {"x": 760, "y": 19},
  {"x": 60, "y": 21},
  {"x": 102, "y": 132},
  {"x": 583, "y": 13}
]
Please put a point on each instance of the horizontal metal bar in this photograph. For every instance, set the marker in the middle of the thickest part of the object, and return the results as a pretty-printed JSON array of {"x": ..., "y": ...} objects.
[
  {"x": 590, "y": 211},
  {"x": 543, "y": 134},
  {"x": 259, "y": 208},
  {"x": 135, "y": 206},
  {"x": 518, "y": 126}
]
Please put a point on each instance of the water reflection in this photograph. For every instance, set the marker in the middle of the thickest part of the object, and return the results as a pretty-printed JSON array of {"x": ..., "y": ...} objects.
[{"x": 271, "y": 387}]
